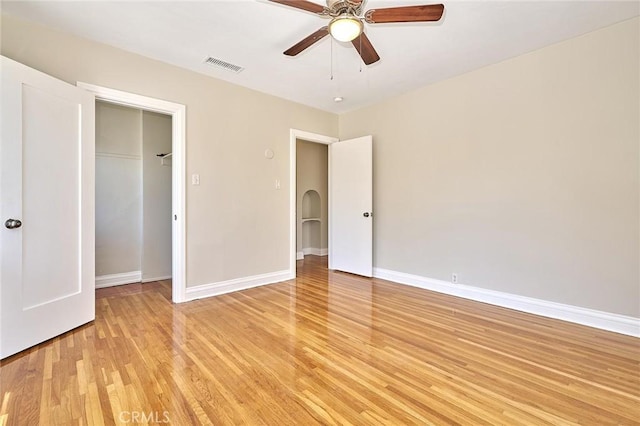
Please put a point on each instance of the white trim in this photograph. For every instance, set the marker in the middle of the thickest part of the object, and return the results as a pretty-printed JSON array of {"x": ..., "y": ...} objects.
[
  {"x": 315, "y": 251},
  {"x": 214, "y": 289},
  {"x": 178, "y": 113},
  {"x": 300, "y": 255},
  {"x": 118, "y": 279},
  {"x": 598, "y": 319},
  {"x": 294, "y": 135},
  {"x": 149, "y": 280}
]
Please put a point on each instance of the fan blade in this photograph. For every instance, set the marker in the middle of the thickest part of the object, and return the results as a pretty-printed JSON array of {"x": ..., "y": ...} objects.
[
  {"x": 424, "y": 13},
  {"x": 302, "y": 4},
  {"x": 307, "y": 42},
  {"x": 365, "y": 49}
]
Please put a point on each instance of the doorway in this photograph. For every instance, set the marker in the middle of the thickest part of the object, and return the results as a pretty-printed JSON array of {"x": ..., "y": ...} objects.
[
  {"x": 177, "y": 112},
  {"x": 312, "y": 199},
  {"x": 314, "y": 227},
  {"x": 133, "y": 195},
  {"x": 349, "y": 202}
]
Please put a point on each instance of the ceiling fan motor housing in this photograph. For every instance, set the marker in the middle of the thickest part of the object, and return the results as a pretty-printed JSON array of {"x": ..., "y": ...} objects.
[{"x": 340, "y": 7}]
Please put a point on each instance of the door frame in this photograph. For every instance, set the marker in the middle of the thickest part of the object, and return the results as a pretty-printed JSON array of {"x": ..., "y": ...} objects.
[
  {"x": 178, "y": 129},
  {"x": 294, "y": 135}
]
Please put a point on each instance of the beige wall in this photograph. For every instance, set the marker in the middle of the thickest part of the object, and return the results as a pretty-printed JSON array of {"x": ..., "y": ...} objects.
[
  {"x": 156, "y": 199},
  {"x": 237, "y": 223},
  {"x": 312, "y": 174},
  {"x": 118, "y": 189},
  {"x": 520, "y": 177}
]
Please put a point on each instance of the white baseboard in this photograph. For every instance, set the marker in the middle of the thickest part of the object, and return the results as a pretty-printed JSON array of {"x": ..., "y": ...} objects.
[
  {"x": 148, "y": 280},
  {"x": 118, "y": 279},
  {"x": 299, "y": 255},
  {"x": 598, "y": 319},
  {"x": 315, "y": 251},
  {"x": 214, "y": 289}
]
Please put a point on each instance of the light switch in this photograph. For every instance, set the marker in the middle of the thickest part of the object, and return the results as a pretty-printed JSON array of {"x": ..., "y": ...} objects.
[
  {"x": 195, "y": 179},
  {"x": 277, "y": 183}
]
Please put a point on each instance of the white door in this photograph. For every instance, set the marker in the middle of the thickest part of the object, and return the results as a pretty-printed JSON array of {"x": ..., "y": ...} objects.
[
  {"x": 351, "y": 203},
  {"x": 46, "y": 208}
]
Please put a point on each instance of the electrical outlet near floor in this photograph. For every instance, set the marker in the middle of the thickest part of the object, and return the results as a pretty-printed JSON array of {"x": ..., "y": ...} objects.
[{"x": 454, "y": 278}]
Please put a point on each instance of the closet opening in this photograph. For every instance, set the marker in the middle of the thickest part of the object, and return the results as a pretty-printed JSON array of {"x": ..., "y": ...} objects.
[{"x": 133, "y": 195}]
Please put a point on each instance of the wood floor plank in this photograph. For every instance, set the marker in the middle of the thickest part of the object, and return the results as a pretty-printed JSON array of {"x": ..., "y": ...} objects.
[{"x": 327, "y": 348}]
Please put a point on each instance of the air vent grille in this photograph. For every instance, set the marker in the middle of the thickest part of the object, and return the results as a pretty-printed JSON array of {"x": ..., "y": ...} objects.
[{"x": 219, "y": 63}]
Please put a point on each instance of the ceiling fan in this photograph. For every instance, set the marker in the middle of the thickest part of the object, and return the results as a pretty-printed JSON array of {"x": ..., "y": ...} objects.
[{"x": 347, "y": 22}]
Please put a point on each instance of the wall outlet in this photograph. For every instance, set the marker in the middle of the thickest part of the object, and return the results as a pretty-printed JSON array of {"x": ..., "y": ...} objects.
[{"x": 454, "y": 278}]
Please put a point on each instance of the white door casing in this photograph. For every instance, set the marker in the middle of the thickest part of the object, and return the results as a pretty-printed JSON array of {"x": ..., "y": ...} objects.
[
  {"x": 350, "y": 209},
  {"x": 47, "y": 278},
  {"x": 178, "y": 115}
]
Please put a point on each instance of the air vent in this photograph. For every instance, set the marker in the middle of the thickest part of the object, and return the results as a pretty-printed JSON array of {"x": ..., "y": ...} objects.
[{"x": 219, "y": 63}]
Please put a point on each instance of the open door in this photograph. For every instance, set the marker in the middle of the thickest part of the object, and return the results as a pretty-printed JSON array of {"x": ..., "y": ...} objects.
[
  {"x": 46, "y": 208},
  {"x": 350, "y": 206}
]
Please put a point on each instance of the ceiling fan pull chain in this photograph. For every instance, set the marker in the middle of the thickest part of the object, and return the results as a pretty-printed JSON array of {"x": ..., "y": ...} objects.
[
  {"x": 331, "y": 53},
  {"x": 360, "y": 62}
]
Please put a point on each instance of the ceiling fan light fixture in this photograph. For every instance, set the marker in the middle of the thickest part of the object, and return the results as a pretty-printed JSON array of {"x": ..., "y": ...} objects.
[{"x": 345, "y": 27}]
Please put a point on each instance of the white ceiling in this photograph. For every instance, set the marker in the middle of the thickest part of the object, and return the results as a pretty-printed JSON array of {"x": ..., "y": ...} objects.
[{"x": 254, "y": 33}]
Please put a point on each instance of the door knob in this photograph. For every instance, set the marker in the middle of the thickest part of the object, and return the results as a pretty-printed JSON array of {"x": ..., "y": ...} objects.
[
  {"x": 365, "y": 214},
  {"x": 12, "y": 223}
]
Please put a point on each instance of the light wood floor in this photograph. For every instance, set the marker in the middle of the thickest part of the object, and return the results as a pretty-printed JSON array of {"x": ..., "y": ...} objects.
[{"x": 327, "y": 348}]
